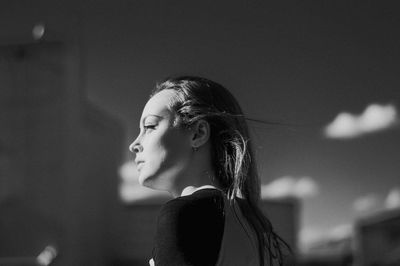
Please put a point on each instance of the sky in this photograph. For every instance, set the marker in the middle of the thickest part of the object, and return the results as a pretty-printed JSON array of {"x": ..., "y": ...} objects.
[{"x": 324, "y": 75}]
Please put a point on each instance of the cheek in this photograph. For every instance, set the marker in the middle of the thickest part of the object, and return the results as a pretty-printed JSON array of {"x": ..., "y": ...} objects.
[
  {"x": 155, "y": 153},
  {"x": 169, "y": 149},
  {"x": 175, "y": 145}
]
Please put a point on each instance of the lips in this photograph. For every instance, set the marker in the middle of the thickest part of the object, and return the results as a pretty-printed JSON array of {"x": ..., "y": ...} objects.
[{"x": 139, "y": 164}]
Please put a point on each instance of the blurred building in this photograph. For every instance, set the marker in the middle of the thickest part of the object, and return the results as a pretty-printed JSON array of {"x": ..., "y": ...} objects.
[
  {"x": 375, "y": 242},
  {"x": 378, "y": 239},
  {"x": 284, "y": 214},
  {"x": 58, "y": 157}
]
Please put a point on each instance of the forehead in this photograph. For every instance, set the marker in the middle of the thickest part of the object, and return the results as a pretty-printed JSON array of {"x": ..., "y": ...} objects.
[{"x": 158, "y": 104}]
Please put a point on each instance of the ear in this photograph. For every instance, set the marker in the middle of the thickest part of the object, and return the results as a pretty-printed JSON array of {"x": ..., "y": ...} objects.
[{"x": 200, "y": 133}]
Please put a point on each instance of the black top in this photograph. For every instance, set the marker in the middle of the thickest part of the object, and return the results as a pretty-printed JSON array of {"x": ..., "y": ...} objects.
[{"x": 190, "y": 230}]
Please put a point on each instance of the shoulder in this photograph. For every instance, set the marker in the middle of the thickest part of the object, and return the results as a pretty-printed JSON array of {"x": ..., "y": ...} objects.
[
  {"x": 204, "y": 200},
  {"x": 205, "y": 204},
  {"x": 185, "y": 224}
]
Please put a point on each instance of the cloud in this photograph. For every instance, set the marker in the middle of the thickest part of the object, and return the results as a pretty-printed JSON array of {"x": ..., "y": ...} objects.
[
  {"x": 372, "y": 203},
  {"x": 393, "y": 199},
  {"x": 311, "y": 238},
  {"x": 128, "y": 173},
  {"x": 300, "y": 187},
  {"x": 374, "y": 118},
  {"x": 130, "y": 191},
  {"x": 366, "y": 203},
  {"x": 341, "y": 231}
]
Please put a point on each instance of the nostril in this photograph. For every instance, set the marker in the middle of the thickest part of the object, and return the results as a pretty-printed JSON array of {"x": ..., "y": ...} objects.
[{"x": 135, "y": 148}]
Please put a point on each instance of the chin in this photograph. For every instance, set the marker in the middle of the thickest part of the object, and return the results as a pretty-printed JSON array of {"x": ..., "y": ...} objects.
[
  {"x": 153, "y": 182},
  {"x": 148, "y": 181},
  {"x": 144, "y": 180}
]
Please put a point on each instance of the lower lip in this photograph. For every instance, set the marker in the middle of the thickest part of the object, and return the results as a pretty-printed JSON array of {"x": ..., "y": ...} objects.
[{"x": 139, "y": 165}]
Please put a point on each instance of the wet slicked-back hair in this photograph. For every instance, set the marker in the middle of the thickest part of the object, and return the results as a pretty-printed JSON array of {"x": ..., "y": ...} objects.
[{"x": 233, "y": 161}]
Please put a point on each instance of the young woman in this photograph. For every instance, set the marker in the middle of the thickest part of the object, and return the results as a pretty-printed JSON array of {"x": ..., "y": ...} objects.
[{"x": 194, "y": 143}]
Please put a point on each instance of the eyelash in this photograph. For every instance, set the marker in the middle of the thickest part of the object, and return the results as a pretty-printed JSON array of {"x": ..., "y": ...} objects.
[{"x": 149, "y": 127}]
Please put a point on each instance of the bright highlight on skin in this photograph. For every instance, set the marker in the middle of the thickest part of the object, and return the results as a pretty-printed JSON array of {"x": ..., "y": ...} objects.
[{"x": 374, "y": 118}]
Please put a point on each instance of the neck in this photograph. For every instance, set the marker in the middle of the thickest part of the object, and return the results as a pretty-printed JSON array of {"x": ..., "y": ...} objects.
[
  {"x": 191, "y": 189},
  {"x": 190, "y": 184},
  {"x": 199, "y": 175}
]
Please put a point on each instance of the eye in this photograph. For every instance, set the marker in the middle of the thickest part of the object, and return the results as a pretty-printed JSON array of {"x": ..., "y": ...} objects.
[{"x": 149, "y": 127}]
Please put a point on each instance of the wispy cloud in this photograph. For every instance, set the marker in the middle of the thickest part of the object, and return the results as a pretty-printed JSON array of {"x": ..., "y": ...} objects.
[
  {"x": 393, "y": 199},
  {"x": 374, "y": 118},
  {"x": 300, "y": 187},
  {"x": 130, "y": 191}
]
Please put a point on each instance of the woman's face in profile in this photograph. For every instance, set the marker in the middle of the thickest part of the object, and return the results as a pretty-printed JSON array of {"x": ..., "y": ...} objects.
[{"x": 163, "y": 150}]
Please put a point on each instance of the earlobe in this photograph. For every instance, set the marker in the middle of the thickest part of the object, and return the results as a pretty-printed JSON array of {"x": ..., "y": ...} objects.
[{"x": 201, "y": 133}]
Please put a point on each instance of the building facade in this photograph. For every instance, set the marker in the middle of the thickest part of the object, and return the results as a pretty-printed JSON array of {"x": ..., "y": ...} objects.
[{"x": 58, "y": 156}]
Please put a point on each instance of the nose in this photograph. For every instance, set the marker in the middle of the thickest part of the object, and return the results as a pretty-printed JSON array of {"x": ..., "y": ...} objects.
[{"x": 135, "y": 147}]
